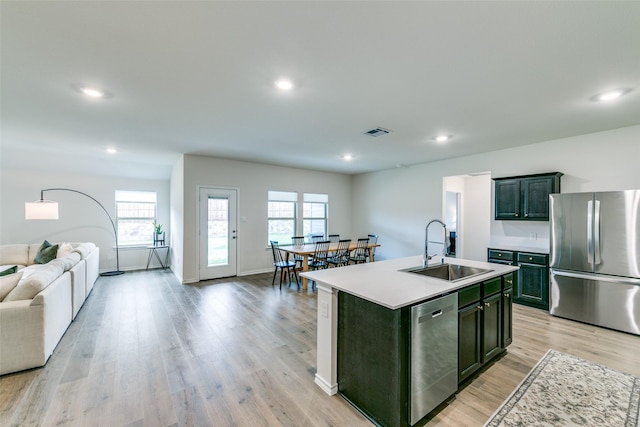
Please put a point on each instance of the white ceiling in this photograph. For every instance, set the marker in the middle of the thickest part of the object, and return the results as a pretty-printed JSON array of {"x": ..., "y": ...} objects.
[{"x": 197, "y": 77}]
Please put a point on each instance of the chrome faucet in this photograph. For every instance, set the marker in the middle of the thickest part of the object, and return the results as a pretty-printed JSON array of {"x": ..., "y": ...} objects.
[{"x": 427, "y": 257}]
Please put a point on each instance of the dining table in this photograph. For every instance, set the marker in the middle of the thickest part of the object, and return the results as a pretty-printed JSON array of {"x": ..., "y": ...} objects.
[{"x": 308, "y": 249}]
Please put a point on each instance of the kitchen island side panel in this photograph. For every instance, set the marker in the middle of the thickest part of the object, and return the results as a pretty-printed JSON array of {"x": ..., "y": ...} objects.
[{"x": 372, "y": 359}]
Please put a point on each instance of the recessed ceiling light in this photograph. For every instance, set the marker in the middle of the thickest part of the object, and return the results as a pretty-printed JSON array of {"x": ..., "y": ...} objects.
[
  {"x": 442, "y": 138},
  {"x": 111, "y": 150},
  {"x": 91, "y": 91},
  {"x": 347, "y": 157},
  {"x": 284, "y": 84},
  {"x": 610, "y": 95},
  {"x": 94, "y": 93}
]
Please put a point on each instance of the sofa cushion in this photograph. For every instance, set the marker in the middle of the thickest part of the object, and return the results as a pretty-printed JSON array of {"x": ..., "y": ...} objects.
[
  {"x": 7, "y": 271},
  {"x": 46, "y": 253},
  {"x": 8, "y": 283},
  {"x": 69, "y": 260},
  {"x": 35, "y": 278},
  {"x": 84, "y": 249},
  {"x": 14, "y": 254}
]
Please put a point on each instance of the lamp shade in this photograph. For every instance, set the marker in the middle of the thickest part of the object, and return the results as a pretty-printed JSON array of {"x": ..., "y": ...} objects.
[{"x": 41, "y": 209}]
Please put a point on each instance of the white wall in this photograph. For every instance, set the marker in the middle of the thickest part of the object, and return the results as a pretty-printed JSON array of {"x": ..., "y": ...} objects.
[
  {"x": 81, "y": 219},
  {"x": 254, "y": 180},
  {"x": 177, "y": 217},
  {"x": 397, "y": 203}
]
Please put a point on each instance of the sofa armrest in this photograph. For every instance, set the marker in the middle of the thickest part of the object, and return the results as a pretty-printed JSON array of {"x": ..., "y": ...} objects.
[
  {"x": 21, "y": 336},
  {"x": 93, "y": 269},
  {"x": 58, "y": 309}
]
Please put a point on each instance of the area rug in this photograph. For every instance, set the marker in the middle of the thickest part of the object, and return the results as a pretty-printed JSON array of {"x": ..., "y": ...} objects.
[{"x": 565, "y": 390}]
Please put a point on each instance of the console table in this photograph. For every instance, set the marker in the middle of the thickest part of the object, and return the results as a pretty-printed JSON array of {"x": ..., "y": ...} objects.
[{"x": 153, "y": 250}]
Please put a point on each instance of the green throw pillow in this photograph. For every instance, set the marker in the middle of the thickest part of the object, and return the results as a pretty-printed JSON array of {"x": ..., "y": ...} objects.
[
  {"x": 9, "y": 270},
  {"x": 46, "y": 253}
]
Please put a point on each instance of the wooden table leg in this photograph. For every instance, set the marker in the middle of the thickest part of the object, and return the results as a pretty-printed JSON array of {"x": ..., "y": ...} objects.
[
  {"x": 305, "y": 267},
  {"x": 371, "y": 255}
]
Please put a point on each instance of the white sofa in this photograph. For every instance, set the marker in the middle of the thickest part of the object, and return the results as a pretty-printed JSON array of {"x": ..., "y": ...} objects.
[{"x": 36, "y": 313}]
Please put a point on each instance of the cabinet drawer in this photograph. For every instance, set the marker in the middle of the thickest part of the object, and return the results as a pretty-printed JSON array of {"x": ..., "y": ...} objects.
[
  {"x": 497, "y": 254},
  {"x": 532, "y": 258},
  {"x": 492, "y": 286},
  {"x": 469, "y": 295},
  {"x": 508, "y": 281}
]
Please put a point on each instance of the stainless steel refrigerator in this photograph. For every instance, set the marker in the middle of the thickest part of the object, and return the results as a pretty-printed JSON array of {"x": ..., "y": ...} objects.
[{"x": 595, "y": 258}]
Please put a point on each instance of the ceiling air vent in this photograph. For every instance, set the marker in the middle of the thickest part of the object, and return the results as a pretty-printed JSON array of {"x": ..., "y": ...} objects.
[{"x": 377, "y": 132}]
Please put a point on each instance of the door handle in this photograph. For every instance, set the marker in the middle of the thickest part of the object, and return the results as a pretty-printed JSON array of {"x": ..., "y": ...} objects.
[
  {"x": 596, "y": 233},
  {"x": 590, "y": 232}
]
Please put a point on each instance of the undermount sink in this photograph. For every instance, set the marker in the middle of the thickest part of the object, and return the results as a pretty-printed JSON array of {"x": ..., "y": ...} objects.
[{"x": 448, "y": 272}]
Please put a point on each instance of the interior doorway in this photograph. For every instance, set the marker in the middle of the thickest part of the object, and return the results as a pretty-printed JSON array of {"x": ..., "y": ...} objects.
[
  {"x": 452, "y": 221},
  {"x": 468, "y": 197}
]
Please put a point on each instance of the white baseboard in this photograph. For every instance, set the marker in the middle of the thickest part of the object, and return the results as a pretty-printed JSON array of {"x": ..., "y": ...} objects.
[{"x": 325, "y": 386}]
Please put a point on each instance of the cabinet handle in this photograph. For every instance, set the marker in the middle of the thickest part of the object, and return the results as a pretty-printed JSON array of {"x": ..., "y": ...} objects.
[
  {"x": 499, "y": 255},
  {"x": 506, "y": 295},
  {"x": 526, "y": 215},
  {"x": 530, "y": 259},
  {"x": 517, "y": 214},
  {"x": 480, "y": 308},
  {"x": 486, "y": 304},
  {"x": 509, "y": 282}
]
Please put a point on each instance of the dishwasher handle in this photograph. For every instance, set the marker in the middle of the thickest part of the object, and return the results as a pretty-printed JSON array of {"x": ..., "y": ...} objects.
[{"x": 435, "y": 314}]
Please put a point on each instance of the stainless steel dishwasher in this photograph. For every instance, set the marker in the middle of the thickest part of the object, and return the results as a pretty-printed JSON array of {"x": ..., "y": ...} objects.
[{"x": 434, "y": 354}]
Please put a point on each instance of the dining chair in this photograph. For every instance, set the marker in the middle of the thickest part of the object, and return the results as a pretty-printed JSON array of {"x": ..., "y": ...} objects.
[
  {"x": 341, "y": 255},
  {"x": 320, "y": 258},
  {"x": 317, "y": 237},
  {"x": 299, "y": 259},
  {"x": 333, "y": 238},
  {"x": 283, "y": 265},
  {"x": 361, "y": 251},
  {"x": 373, "y": 238}
]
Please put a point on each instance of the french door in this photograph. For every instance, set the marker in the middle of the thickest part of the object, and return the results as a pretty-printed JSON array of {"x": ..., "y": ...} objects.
[{"x": 217, "y": 232}]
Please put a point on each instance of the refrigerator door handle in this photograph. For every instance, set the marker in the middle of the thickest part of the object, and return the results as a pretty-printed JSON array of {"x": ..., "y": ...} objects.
[
  {"x": 596, "y": 233},
  {"x": 598, "y": 277},
  {"x": 590, "y": 232}
]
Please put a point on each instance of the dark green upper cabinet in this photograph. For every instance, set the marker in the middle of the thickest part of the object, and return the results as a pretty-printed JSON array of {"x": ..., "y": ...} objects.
[{"x": 525, "y": 198}]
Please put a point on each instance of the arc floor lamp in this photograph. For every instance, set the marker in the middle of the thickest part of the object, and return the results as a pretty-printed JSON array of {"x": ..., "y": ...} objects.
[{"x": 48, "y": 209}]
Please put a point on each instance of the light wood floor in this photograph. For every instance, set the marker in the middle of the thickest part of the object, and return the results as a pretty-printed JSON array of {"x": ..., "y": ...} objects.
[{"x": 148, "y": 351}]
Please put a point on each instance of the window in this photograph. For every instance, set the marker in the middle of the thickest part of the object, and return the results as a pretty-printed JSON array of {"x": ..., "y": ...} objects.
[
  {"x": 281, "y": 216},
  {"x": 135, "y": 215},
  {"x": 314, "y": 213}
]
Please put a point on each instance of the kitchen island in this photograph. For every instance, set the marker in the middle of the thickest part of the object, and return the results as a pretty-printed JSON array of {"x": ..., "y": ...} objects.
[{"x": 364, "y": 330}]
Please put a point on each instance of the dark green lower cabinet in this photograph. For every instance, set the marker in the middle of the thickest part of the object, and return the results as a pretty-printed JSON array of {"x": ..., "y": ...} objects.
[
  {"x": 507, "y": 316},
  {"x": 469, "y": 347},
  {"x": 492, "y": 326},
  {"x": 533, "y": 285},
  {"x": 484, "y": 326}
]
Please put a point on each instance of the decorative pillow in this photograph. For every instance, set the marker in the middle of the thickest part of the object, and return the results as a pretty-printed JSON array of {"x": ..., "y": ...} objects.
[
  {"x": 64, "y": 249},
  {"x": 7, "y": 283},
  {"x": 46, "y": 253},
  {"x": 9, "y": 270}
]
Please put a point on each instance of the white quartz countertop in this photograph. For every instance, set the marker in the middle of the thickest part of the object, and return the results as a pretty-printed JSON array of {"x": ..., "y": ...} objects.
[{"x": 381, "y": 282}]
